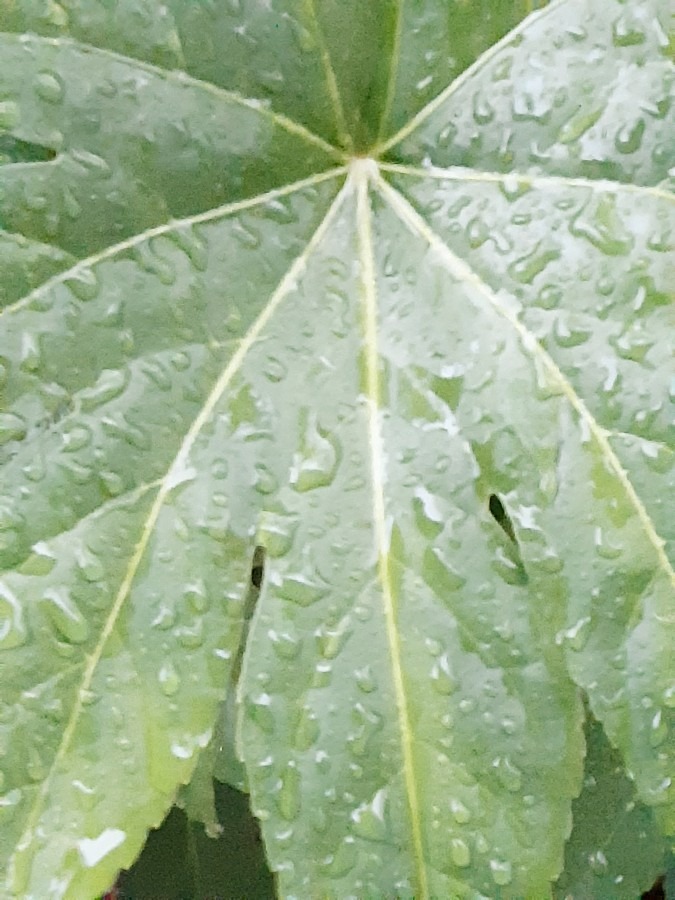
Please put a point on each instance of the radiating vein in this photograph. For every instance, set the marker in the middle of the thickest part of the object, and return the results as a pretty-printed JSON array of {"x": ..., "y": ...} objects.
[
  {"x": 227, "y": 209},
  {"x": 360, "y": 172},
  {"x": 331, "y": 80},
  {"x": 459, "y": 82},
  {"x": 461, "y": 270},
  {"x": 392, "y": 79},
  {"x": 173, "y": 476},
  {"x": 460, "y": 174},
  {"x": 182, "y": 79}
]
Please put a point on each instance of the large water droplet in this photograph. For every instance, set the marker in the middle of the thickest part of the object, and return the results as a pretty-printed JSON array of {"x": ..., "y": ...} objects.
[
  {"x": 316, "y": 462},
  {"x": 276, "y": 533},
  {"x": 65, "y": 616},
  {"x": 369, "y": 820},
  {"x": 459, "y": 811},
  {"x": 110, "y": 384}
]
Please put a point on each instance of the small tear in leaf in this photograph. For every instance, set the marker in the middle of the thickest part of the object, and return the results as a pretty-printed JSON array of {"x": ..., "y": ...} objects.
[
  {"x": 501, "y": 517},
  {"x": 258, "y": 567}
]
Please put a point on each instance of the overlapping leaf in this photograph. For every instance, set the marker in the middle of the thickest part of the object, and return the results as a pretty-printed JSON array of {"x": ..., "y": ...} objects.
[{"x": 430, "y": 384}]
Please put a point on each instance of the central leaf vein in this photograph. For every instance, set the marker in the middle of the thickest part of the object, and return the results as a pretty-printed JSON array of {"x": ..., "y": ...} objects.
[{"x": 369, "y": 298}]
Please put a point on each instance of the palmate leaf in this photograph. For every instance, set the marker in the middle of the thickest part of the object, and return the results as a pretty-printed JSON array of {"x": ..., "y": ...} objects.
[{"x": 404, "y": 329}]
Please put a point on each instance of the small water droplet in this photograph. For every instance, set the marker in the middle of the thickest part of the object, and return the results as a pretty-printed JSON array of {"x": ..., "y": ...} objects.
[
  {"x": 265, "y": 481},
  {"x": 75, "y": 436},
  {"x": 343, "y": 861},
  {"x": 49, "y": 87},
  {"x": 9, "y": 114},
  {"x": 442, "y": 678},
  {"x": 669, "y": 696},
  {"x": 259, "y": 710},
  {"x": 460, "y": 813},
  {"x": 330, "y": 640},
  {"x": 307, "y": 730},
  {"x": 12, "y": 428},
  {"x": 629, "y": 137},
  {"x": 13, "y": 630},
  {"x": 460, "y": 853},
  {"x": 598, "y": 862},
  {"x": 659, "y": 729},
  {"x": 301, "y": 589},
  {"x": 9, "y": 802},
  {"x": 576, "y": 636},
  {"x": 578, "y": 124},
  {"x": 501, "y": 871},
  {"x": 365, "y": 679},
  {"x": 509, "y": 776},
  {"x": 627, "y": 32},
  {"x": 286, "y": 643},
  {"x": 288, "y": 796},
  {"x": 169, "y": 679}
]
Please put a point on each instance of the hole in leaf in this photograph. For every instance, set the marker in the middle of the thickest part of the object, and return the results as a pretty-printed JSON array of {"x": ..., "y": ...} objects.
[
  {"x": 14, "y": 150},
  {"x": 501, "y": 517},
  {"x": 258, "y": 567}
]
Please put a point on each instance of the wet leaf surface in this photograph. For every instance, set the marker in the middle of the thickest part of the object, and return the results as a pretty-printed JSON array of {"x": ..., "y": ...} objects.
[{"x": 302, "y": 278}]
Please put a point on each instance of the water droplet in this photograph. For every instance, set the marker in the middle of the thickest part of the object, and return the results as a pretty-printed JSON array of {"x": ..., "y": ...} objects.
[
  {"x": 49, "y": 87},
  {"x": 460, "y": 853},
  {"x": 75, "y": 436},
  {"x": 196, "y": 596},
  {"x": 276, "y": 533},
  {"x": 192, "y": 244},
  {"x": 330, "y": 640},
  {"x": 442, "y": 678},
  {"x": 569, "y": 331},
  {"x": 259, "y": 710},
  {"x": 629, "y": 137},
  {"x": 659, "y": 729},
  {"x": 9, "y": 802},
  {"x": 275, "y": 369},
  {"x": 439, "y": 574},
  {"x": 9, "y": 114},
  {"x": 307, "y": 730},
  {"x": 265, "y": 482},
  {"x": 669, "y": 696},
  {"x": 368, "y": 723},
  {"x": 600, "y": 225},
  {"x": 343, "y": 861},
  {"x": 35, "y": 765},
  {"x": 460, "y": 813},
  {"x": 577, "y": 635},
  {"x": 83, "y": 282},
  {"x": 369, "y": 820},
  {"x": 501, "y": 871},
  {"x": 301, "y": 589},
  {"x": 578, "y": 124},
  {"x": 12, "y": 428},
  {"x": 627, "y": 32},
  {"x": 365, "y": 680},
  {"x": 13, "y": 631},
  {"x": 288, "y": 796},
  {"x": 315, "y": 464},
  {"x": 598, "y": 862},
  {"x": 169, "y": 679},
  {"x": 65, "y": 616},
  {"x": 40, "y": 562},
  {"x": 529, "y": 265},
  {"x": 110, "y": 384},
  {"x": 191, "y": 637},
  {"x": 482, "y": 109},
  {"x": 509, "y": 776}
]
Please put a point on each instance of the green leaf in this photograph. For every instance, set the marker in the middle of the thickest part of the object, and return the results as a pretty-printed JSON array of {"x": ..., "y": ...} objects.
[
  {"x": 615, "y": 849},
  {"x": 299, "y": 277}
]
